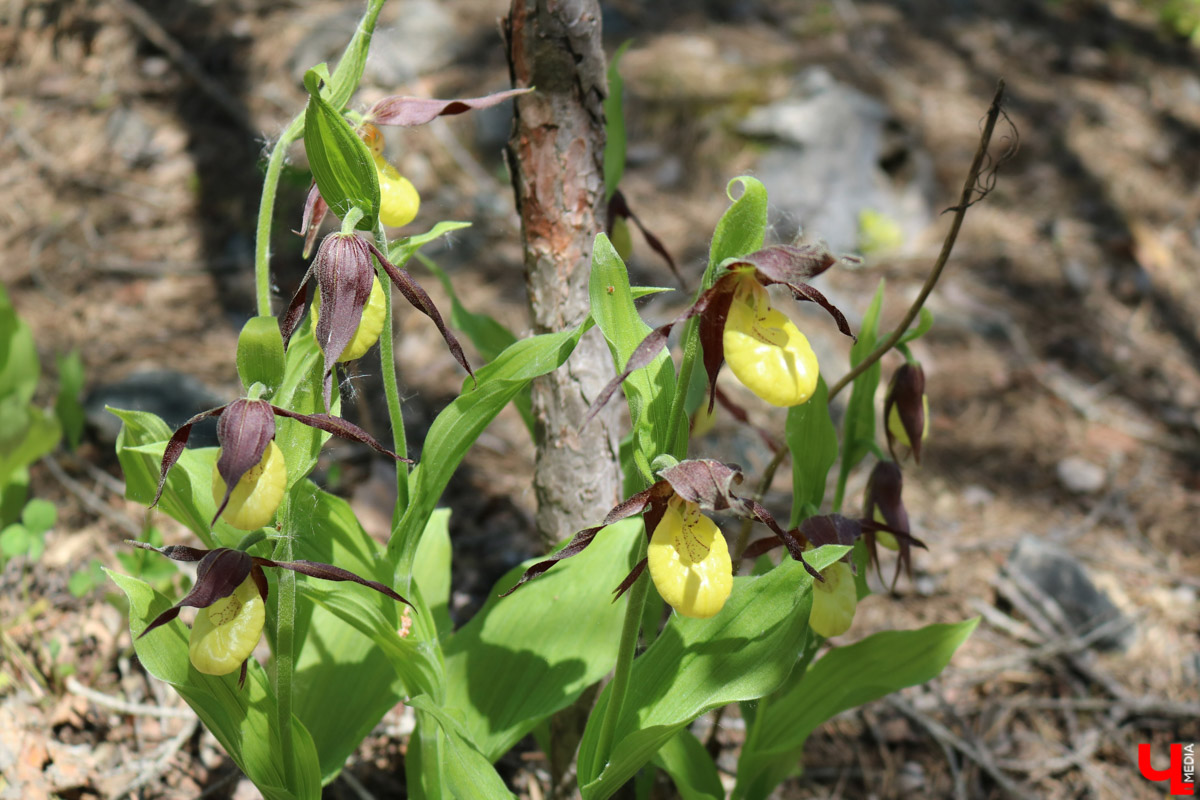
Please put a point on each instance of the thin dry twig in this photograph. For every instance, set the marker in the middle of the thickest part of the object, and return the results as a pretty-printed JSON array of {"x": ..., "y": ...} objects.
[
  {"x": 944, "y": 735},
  {"x": 160, "y": 764},
  {"x": 981, "y": 178},
  {"x": 125, "y": 706},
  {"x": 91, "y": 500}
]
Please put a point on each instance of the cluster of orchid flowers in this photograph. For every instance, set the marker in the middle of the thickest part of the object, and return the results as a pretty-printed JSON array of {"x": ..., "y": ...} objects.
[
  {"x": 250, "y": 475},
  {"x": 687, "y": 556}
]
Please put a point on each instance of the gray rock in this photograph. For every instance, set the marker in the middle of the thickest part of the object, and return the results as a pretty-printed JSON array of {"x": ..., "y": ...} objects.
[
  {"x": 131, "y": 137},
  {"x": 423, "y": 40},
  {"x": 1060, "y": 576},
  {"x": 171, "y": 395},
  {"x": 837, "y": 153},
  {"x": 1080, "y": 476}
]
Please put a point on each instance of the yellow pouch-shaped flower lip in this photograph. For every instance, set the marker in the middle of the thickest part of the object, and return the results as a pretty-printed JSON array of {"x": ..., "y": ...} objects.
[
  {"x": 399, "y": 200},
  {"x": 689, "y": 561},
  {"x": 834, "y": 601},
  {"x": 226, "y": 633},
  {"x": 766, "y": 351},
  {"x": 257, "y": 495},
  {"x": 369, "y": 327}
]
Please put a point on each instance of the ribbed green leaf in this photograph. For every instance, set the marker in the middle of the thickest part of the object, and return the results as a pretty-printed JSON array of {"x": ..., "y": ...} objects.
[
  {"x": 649, "y": 390},
  {"x": 241, "y": 719},
  {"x": 432, "y": 569},
  {"x": 743, "y": 226},
  {"x": 525, "y": 656},
  {"x": 350, "y": 68},
  {"x": 341, "y": 163},
  {"x": 691, "y": 768},
  {"x": 301, "y": 391},
  {"x": 812, "y": 441},
  {"x": 744, "y": 652},
  {"x": 260, "y": 353},
  {"x": 468, "y": 775},
  {"x": 858, "y": 429},
  {"x": 847, "y": 677}
]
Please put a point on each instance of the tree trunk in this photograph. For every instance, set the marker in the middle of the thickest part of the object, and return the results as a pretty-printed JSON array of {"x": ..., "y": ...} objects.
[{"x": 556, "y": 157}]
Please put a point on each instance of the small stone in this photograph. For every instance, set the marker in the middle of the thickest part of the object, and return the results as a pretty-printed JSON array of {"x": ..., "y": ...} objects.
[
  {"x": 911, "y": 778},
  {"x": 977, "y": 496},
  {"x": 1080, "y": 476},
  {"x": 1060, "y": 576}
]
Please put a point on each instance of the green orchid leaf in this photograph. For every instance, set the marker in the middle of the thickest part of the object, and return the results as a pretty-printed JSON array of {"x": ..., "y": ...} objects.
[
  {"x": 347, "y": 634},
  {"x": 39, "y": 434},
  {"x": 301, "y": 391},
  {"x": 614, "y": 124},
  {"x": 858, "y": 428},
  {"x": 19, "y": 365},
  {"x": 812, "y": 441},
  {"x": 67, "y": 405},
  {"x": 504, "y": 674},
  {"x": 459, "y": 424},
  {"x": 845, "y": 678},
  {"x": 341, "y": 163},
  {"x": 260, "y": 353},
  {"x": 691, "y": 768},
  {"x": 241, "y": 718},
  {"x": 432, "y": 569},
  {"x": 924, "y": 323},
  {"x": 649, "y": 390},
  {"x": 467, "y": 773},
  {"x": 743, "y": 226},
  {"x": 187, "y": 495},
  {"x": 744, "y": 652},
  {"x": 403, "y": 249},
  {"x": 350, "y": 67}
]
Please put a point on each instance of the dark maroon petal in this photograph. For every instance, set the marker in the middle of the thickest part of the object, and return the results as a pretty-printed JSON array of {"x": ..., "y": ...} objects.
[
  {"x": 579, "y": 542},
  {"x": 339, "y": 427},
  {"x": 242, "y": 674},
  {"x": 648, "y": 348},
  {"x": 831, "y": 529},
  {"x": 177, "y": 552},
  {"x": 260, "y": 580},
  {"x": 802, "y": 291},
  {"x": 315, "y": 209},
  {"x": 244, "y": 431},
  {"x": 419, "y": 300},
  {"x": 630, "y": 579},
  {"x": 328, "y": 572},
  {"x": 410, "y": 111},
  {"x": 784, "y": 263},
  {"x": 705, "y": 482},
  {"x": 760, "y": 546},
  {"x": 295, "y": 310},
  {"x": 883, "y": 494},
  {"x": 905, "y": 542},
  {"x": 618, "y": 207},
  {"x": 344, "y": 277},
  {"x": 220, "y": 572},
  {"x": 175, "y": 447},
  {"x": 712, "y": 333}
]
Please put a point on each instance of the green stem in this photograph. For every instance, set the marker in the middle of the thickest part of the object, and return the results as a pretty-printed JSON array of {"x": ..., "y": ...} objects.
[
  {"x": 285, "y": 622},
  {"x": 266, "y": 210},
  {"x": 619, "y": 687},
  {"x": 391, "y": 389}
]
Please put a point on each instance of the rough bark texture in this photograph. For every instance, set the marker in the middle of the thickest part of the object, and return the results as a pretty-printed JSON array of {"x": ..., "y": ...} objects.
[{"x": 556, "y": 155}]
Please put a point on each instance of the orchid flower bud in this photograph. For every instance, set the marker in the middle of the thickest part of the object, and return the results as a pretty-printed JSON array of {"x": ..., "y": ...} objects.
[
  {"x": 882, "y": 502},
  {"x": 250, "y": 474},
  {"x": 369, "y": 326},
  {"x": 834, "y": 601},
  {"x": 689, "y": 561},
  {"x": 906, "y": 410},
  {"x": 766, "y": 352}
]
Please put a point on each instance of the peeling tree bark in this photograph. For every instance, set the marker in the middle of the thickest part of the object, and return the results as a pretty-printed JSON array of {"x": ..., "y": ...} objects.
[{"x": 556, "y": 155}]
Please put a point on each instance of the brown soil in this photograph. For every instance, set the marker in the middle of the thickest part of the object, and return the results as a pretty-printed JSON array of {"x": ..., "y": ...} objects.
[{"x": 1066, "y": 327}]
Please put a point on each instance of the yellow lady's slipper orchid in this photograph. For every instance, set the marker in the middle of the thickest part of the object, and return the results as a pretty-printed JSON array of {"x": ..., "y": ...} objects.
[
  {"x": 834, "y": 601},
  {"x": 257, "y": 494},
  {"x": 225, "y": 634},
  {"x": 689, "y": 561},
  {"x": 399, "y": 201},
  {"x": 369, "y": 327},
  {"x": 765, "y": 350}
]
